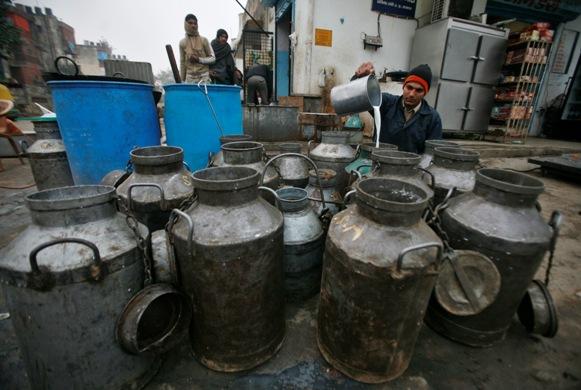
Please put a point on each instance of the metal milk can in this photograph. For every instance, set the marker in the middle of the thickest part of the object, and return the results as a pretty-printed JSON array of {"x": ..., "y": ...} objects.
[
  {"x": 294, "y": 171},
  {"x": 453, "y": 167},
  {"x": 380, "y": 265},
  {"x": 217, "y": 160},
  {"x": 334, "y": 153},
  {"x": 66, "y": 279},
  {"x": 249, "y": 154},
  {"x": 48, "y": 157},
  {"x": 498, "y": 219},
  {"x": 403, "y": 166},
  {"x": 362, "y": 163},
  {"x": 304, "y": 241},
  {"x": 229, "y": 251},
  {"x": 158, "y": 184},
  {"x": 429, "y": 150},
  {"x": 331, "y": 196}
]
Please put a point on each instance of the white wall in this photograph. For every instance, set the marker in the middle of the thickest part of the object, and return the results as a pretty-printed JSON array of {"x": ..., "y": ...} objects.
[{"x": 347, "y": 19}]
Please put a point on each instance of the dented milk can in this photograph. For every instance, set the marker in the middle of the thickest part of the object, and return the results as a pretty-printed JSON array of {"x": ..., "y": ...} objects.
[
  {"x": 66, "y": 280},
  {"x": 380, "y": 265},
  {"x": 334, "y": 153},
  {"x": 217, "y": 160},
  {"x": 332, "y": 197},
  {"x": 229, "y": 251},
  {"x": 158, "y": 184},
  {"x": 48, "y": 157},
  {"x": 294, "y": 171},
  {"x": 303, "y": 244},
  {"x": 249, "y": 154},
  {"x": 498, "y": 219},
  {"x": 398, "y": 165},
  {"x": 453, "y": 168},
  {"x": 430, "y": 145}
]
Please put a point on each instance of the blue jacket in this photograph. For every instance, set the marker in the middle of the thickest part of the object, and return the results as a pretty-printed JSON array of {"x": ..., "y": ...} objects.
[{"x": 410, "y": 136}]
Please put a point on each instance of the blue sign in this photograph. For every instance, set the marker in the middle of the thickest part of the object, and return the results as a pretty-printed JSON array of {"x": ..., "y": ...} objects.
[{"x": 405, "y": 8}]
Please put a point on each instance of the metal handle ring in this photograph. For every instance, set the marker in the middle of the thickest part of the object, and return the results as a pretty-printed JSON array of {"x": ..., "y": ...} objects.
[
  {"x": 132, "y": 186},
  {"x": 173, "y": 217},
  {"x": 432, "y": 177},
  {"x": 404, "y": 252},
  {"x": 303, "y": 157},
  {"x": 97, "y": 270}
]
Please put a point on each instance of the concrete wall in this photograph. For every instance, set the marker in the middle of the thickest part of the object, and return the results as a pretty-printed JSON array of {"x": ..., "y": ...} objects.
[{"x": 348, "y": 20}]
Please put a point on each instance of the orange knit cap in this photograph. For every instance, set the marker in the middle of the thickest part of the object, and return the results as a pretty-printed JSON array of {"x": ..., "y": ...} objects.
[{"x": 412, "y": 78}]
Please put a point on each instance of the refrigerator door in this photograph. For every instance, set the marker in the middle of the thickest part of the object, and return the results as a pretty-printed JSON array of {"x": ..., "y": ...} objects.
[
  {"x": 451, "y": 104},
  {"x": 479, "y": 108},
  {"x": 490, "y": 59},
  {"x": 459, "y": 55}
]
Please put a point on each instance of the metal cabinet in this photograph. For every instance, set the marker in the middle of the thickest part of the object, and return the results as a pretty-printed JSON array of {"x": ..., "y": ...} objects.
[{"x": 466, "y": 59}]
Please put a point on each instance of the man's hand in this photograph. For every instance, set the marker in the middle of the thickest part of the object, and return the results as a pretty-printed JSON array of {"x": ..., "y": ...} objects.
[
  {"x": 364, "y": 69},
  {"x": 194, "y": 58}
]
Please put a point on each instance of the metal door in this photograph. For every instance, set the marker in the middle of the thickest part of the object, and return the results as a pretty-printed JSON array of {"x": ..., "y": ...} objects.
[
  {"x": 459, "y": 55},
  {"x": 450, "y": 104},
  {"x": 478, "y": 109},
  {"x": 489, "y": 60}
]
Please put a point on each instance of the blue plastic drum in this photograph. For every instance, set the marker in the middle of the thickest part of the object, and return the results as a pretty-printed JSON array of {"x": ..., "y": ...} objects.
[
  {"x": 101, "y": 122},
  {"x": 196, "y": 116}
]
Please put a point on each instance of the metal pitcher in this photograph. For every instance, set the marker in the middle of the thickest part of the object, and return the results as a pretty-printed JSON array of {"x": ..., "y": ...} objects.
[{"x": 356, "y": 96}]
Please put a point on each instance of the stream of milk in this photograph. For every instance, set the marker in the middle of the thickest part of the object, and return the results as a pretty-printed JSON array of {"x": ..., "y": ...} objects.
[{"x": 377, "y": 117}]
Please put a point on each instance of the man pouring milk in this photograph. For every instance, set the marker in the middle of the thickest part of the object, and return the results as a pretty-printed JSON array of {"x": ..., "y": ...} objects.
[{"x": 408, "y": 120}]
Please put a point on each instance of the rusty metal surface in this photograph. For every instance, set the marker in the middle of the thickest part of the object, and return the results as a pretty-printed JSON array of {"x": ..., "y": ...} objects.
[
  {"x": 234, "y": 273},
  {"x": 272, "y": 123},
  {"x": 64, "y": 327},
  {"x": 498, "y": 219},
  {"x": 332, "y": 197},
  {"x": 159, "y": 183},
  {"x": 372, "y": 303},
  {"x": 334, "y": 153}
]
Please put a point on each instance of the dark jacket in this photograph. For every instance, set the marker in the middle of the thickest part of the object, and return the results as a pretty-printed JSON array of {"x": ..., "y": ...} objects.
[
  {"x": 223, "y": 68},
  {"x": 410, "y": 136}
]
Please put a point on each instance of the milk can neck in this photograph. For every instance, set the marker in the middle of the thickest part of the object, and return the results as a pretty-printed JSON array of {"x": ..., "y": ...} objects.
[{"x": 507, "y": 188}]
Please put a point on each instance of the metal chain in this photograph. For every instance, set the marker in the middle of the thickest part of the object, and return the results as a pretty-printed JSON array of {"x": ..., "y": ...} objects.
[{"x": 142, "y": 246}]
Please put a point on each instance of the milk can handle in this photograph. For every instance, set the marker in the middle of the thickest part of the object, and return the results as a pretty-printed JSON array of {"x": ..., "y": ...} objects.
[
  {"x": 173, "y": 217},
  {"x": 132, "y": 186},
  {"x": 96, "y": 270},
  {"x": 273, "y": 192},
  {"x": 432, "y": 178},
  {"x": 303, "y": 157},
  {"x": 348, "y": 195},
  {"x": 310, "y": 142},
  {"x": 418, "y": 247}
]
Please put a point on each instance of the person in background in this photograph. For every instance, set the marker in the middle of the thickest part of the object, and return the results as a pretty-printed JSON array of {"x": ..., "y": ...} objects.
[
  {"x": 196, "y": 54},
  {"x": 259, "y": 84},
  {"x": 222, "y": 71},
  {"x": 7, "y": 127},
  {"x": 408, "y": 120}
]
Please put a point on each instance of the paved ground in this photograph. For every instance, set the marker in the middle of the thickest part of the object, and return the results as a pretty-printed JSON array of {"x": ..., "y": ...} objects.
[{"x": 520, "y": 362}]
